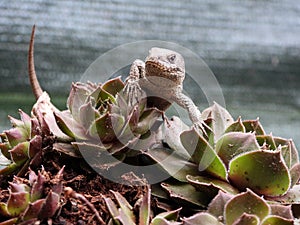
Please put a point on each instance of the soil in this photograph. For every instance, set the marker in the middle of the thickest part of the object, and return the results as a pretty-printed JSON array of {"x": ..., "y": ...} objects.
[{"x": 83, "y": 180}]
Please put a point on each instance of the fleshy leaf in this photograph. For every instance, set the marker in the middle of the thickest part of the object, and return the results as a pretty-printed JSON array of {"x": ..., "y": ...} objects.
[
  {"x": 163, "y": 218},
  {"x": 145, "y": 209},
  {"x": 87, "y": 114},
  {"x": 107, "y": 127},
  {"x": 186, "y": 194},
  {"x": 175, "y": 165},
  {"x": 17, "y": 203},
  {"x": 247, "y": 219},
  {"x": 77, "y": 97},
  {"x": 217, "y": 205},
  {"x": 221, "y": 119},
  {"x": 33, "y": 209},
  {"x": 35, "y": 145},
  {"x": 113, "y": 86},
  {"x": 237, "y": 126},
  {"x": 247, "y": 202},
  {"x": 50, "y": 206},
  {"x": 112, "y": 208},
  {"x": 203, "y": 154},
  {"x": 288, "y": 151},
  {"x": 37, "y": 187},
  {"x": 235, "y": 143},
  {"x": 201, "y": 219},
  {"x": 211, "y": 186},
  {"x": 126, "y": 209},
  {"x": 254, "y": 126},
  {"x": 44, "y": 110},
  {"x": 19, "y": 154},
  {"x": 147, "y": 119},
  {"x": 276, "y": 220},
  {"x": 291, "y": 197},
  {"x": 267, "y": 141},
  {"x": 70, "y": 126},
  {"x": 16, "y": 135},
  {"x": 262, "y": 171},
  {"x": 295, "y": 174},
  {"x": 283, "y": 211}
]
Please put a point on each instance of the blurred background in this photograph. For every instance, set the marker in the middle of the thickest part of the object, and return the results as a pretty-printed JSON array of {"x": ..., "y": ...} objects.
[{"x": 252, "y": 47}]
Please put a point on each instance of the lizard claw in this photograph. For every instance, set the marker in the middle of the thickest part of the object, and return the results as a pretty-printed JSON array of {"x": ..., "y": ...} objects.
[
  {"x": 203, "y": 127},
  {"x": 133, "y": 93}
]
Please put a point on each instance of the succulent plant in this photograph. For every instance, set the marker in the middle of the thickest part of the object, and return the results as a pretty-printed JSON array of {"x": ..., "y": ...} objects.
[
  {"x": 243, "y": 209},
  {"x": 29, "y": 201},
  {"x": 99, "y": 121},
  {"x": 21, "y": 144},
  {"x": 124, "y": 213},
  {"x": 235, "y": 156}
]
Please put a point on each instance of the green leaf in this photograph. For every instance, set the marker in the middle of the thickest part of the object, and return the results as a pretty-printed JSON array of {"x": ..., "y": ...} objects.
[
  {"x": 237, "y": 126},
  {"x": 126, "y": 208},
  {"x": 247, "y": 202},
  {"x": 166, "y": 218},
  {"x": 203, "y": 154},
  {"x": 254, "y": 126},
  {"x": 202, "y": 218},
  {"x": 112, "y": 209},
  {"x": 177, "y": 166},
  {"x": 19, "y": 154},
  {"x": 3, "y": 210},
  {"x": 235, "y": 143},
  {"x": 211, "y": 186},
  {"x": 288, "y": 151},
  {"x": 186, "y": 194},
  {"x": 291, "y": 197},
  {"x": 70, "y": 126},
  {"x": 145, "y": 209},
  {"x": 247, "y": 219},
  {"x": 16, "y": 136},
  {"x": 107, "y": 127},
  {"x": 113, "y": 86},
  {"x": 262, "y": 171},
  {"x": 17, "y": 203},
  {"x": 276, "y": 220},
  {"x": 267, "y": 141}
]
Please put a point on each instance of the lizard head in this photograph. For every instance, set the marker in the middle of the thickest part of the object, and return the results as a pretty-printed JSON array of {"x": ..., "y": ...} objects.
[{"x": 166, "y": 64}]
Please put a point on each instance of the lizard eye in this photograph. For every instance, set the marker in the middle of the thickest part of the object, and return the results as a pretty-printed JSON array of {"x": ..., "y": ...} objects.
[{"x": 172, "y": 58}]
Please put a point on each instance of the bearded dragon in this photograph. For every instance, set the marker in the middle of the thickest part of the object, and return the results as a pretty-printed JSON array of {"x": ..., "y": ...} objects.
[{"x": 162, "y": 75}]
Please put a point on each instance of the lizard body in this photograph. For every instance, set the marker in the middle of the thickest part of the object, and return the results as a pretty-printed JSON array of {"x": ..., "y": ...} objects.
[{"x": 162, "y": 75}]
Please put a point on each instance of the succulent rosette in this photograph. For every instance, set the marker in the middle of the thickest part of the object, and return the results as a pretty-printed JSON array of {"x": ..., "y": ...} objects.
[
  {"x": 233, "y": 157},
  {"x": 27, "y": 202},
  {"x": 21, "y": 144},
  {"x": 242, "y": 209},
  {"x": 100, "y": 123}
]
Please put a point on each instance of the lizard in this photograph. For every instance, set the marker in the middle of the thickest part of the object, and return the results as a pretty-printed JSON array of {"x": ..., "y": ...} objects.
[{"x": 162, "y": 75}]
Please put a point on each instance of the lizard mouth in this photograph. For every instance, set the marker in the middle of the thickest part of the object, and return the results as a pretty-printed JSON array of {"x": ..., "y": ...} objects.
[{"x": 164, "y": 70}]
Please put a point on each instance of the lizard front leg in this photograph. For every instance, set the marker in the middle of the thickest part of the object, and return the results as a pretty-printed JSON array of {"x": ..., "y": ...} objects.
[
  {"x": 193, "y": 111},
  {"x": 132, "y": 90}
]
